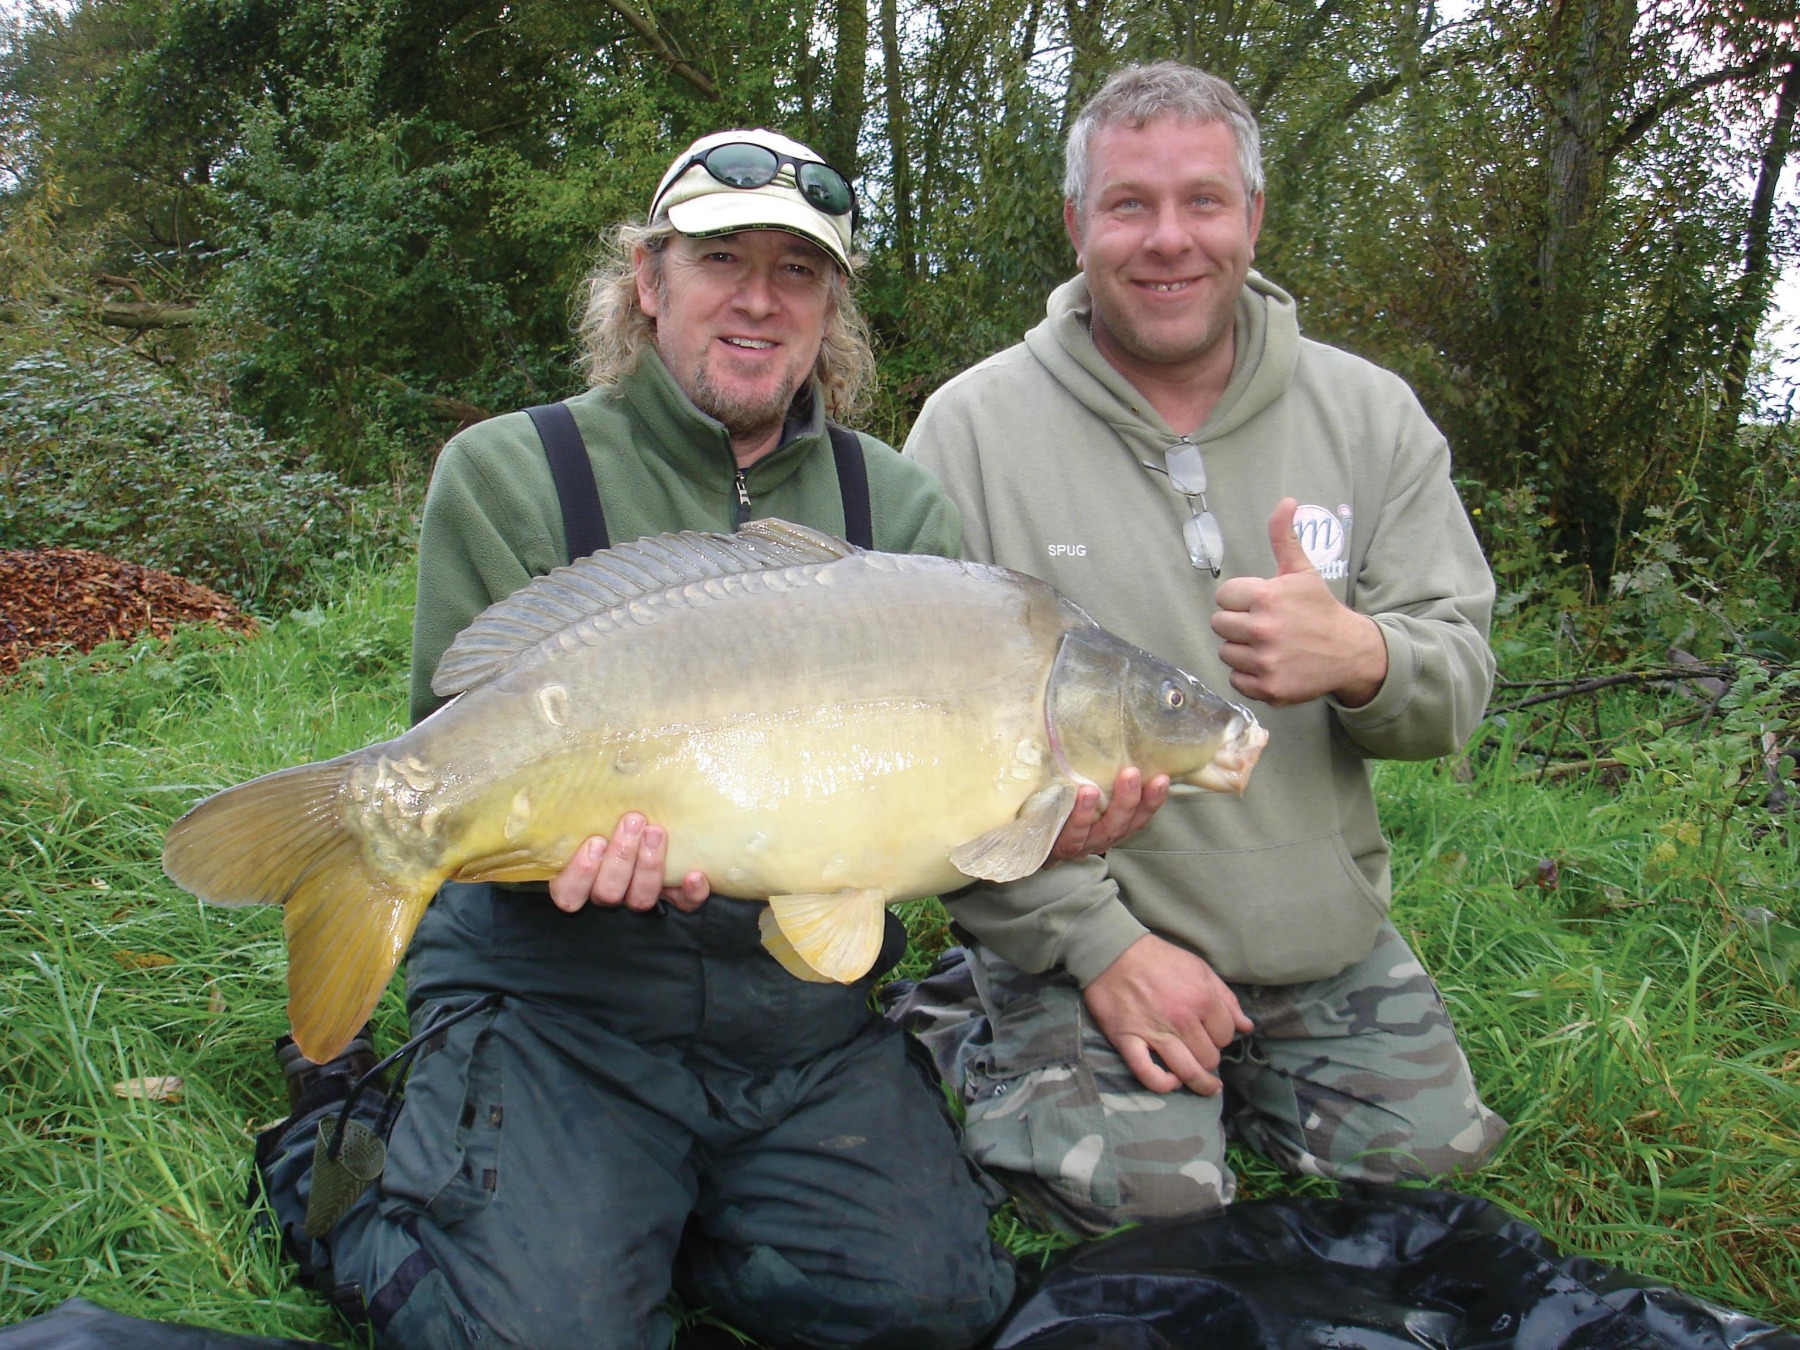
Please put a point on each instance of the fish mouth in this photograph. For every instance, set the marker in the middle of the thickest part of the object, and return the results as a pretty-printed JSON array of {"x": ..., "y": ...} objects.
[{"x": 1229, "y": 770}]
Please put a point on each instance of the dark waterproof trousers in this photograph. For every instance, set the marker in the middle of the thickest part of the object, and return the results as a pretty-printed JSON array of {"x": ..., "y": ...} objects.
[{"x": 655, "y": 1098}]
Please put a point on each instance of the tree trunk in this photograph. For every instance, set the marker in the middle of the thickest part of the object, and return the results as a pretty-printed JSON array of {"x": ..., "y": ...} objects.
[
  {"x": 1758, "y": 281},
  {"x": 850, "y": 71},
  {"x": 895, "y": 87},
  {"x": 1589, "y": 43},
  {"x": 1087, "y": 53}
]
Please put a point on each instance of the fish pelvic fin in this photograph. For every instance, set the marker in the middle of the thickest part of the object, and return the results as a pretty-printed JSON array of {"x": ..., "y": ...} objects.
[
  {"x": 1019, "y": 847},
  {"x": 820, "y": 938},
  {"x": 282, "y": 840}
]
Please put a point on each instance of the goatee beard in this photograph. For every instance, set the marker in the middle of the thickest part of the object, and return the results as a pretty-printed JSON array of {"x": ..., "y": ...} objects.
[{"x": 741, "y": 416}]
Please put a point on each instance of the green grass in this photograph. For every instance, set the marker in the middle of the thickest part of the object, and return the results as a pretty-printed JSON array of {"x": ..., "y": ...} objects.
[{"x": 1620, "y": 959}]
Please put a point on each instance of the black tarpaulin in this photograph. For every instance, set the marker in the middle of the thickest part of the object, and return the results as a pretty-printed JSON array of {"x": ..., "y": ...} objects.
[{"x": 1380, "y": 1268}]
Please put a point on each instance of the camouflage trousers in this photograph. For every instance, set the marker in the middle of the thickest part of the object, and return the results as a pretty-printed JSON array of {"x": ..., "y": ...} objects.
[{"x": 1356, "y": 1076}]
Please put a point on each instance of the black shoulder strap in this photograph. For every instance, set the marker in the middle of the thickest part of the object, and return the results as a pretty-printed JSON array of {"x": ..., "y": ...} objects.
[
  {"x": 853, "y": 482},
  {"x": 584, "y": 522}
]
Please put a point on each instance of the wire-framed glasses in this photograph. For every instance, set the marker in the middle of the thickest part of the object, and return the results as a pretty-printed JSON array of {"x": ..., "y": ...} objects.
[{"x": 1187, "y": 475}]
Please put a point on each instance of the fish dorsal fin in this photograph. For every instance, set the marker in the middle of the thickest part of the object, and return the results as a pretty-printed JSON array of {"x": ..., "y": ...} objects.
[
  {"x": 603, "y": 581},
  {"x": 1019, "y": 847}
]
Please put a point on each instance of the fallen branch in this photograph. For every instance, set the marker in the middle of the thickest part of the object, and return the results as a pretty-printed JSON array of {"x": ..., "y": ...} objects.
[
  {"x": 1667, "y": 675},
  {"x": 136, "y": 314},
  {"x": 1570, "y": 768}
]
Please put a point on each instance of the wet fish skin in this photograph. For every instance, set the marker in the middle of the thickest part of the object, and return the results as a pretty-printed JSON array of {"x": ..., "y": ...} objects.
[{"x": 822, "y": 728}]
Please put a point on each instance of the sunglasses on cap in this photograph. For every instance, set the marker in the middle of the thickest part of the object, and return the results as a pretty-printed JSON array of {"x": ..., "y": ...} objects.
[{"x": 743, "y": 164}]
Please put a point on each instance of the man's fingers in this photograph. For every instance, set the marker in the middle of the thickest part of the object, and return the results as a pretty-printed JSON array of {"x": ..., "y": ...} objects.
[
  {"x": 1152, "y": 1075},
  {"x": 689, "y": 893},
  {"x": 1155, "y": 793},
  {"x": 1073, "y": 841},
  {"x": 612, "y": 882},
  {"x": 1289, "y": 555},
  {"x": 644, "y": 887},
  {"x": 1092, "y": 830},
  {"x": 1115, "y": 821},
  {"x": 570, "y": 887},
  {"x": 1171, "y": 1061}
]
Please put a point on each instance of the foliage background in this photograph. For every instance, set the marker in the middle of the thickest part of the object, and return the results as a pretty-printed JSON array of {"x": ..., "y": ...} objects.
[{"x": 1561, "y": 220}]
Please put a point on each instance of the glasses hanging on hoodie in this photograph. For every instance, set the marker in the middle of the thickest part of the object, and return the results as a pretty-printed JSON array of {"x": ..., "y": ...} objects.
[{"x": 1187, "y": 475}]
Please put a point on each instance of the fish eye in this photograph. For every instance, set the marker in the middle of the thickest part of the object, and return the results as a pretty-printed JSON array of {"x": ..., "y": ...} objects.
[{"x": 1174, "y": 696}]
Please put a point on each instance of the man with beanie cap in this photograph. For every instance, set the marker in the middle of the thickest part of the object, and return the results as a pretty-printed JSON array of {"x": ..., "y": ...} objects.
[{"x": 616, "y": 1091}]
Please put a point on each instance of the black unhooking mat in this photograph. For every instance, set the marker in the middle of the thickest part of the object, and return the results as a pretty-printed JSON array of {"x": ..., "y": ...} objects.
[{"x": 1380, "y": 1268}]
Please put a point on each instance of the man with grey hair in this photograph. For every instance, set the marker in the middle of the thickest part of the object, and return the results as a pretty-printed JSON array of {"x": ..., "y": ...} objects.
[
  {"x": 1263, "y": 510},
  {"x": 615, "y": 1089}
]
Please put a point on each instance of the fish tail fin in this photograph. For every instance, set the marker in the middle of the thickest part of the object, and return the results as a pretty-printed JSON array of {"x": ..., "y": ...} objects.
[{"x": 282, "y": 839}]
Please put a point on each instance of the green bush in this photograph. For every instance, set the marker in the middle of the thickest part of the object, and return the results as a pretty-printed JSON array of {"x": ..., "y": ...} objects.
[{"x": 103, "y": 450}]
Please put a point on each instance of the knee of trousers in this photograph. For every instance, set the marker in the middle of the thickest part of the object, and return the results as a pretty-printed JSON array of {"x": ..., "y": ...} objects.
[
  {"x": 1437, "y": 1149},
  {"x": 1396, "y": 1141},
  {"x": 761, "y": 1291},
  {"x": 1194, "y": 1188},
  {"x": 413, "y": 1304},
  {"x": 1084, "y": 1151}
]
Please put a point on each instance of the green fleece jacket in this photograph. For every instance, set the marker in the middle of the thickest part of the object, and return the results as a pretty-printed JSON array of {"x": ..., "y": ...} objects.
[
  {"x": 492, "y": 520},
  {"x": 1057, "y": 464}
]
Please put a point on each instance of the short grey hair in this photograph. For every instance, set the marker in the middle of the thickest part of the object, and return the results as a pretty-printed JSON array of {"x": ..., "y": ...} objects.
[
  {"x": 614, "y": 330},
  {"x": 1137, "y": 94}
]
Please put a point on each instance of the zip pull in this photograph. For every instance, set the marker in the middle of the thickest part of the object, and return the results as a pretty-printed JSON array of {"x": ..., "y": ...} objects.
[{"x": 743, "y": 502}]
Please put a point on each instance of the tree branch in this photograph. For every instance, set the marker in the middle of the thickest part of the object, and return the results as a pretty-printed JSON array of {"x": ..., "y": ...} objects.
[
  {"x": 1652, "y": 113},
  {"x": 667, "y": 54}
]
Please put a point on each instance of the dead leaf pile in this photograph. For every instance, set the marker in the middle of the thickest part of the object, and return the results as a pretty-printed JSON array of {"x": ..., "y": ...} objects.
[{"x": 68, "y": 599}]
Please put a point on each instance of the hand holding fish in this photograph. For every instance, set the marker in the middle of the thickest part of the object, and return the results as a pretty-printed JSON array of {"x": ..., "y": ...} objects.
[
  {"x": 1161, "y": 1002},
  {"x": 1288, "y": 639},
  {"x": 1091, "y": 830},
  {"x": 627, "y": 869}
]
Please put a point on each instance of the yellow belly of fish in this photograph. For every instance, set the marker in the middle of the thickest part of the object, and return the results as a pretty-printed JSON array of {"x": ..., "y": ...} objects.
[{"x": 867, "y": 796}]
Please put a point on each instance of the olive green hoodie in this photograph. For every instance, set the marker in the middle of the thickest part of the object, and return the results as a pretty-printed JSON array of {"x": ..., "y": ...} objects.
[
  {"x": 1057, "y": 465},
  {"x": 492, "y": 520}
]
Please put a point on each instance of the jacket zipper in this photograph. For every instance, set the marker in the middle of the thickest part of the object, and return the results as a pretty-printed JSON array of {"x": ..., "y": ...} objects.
[{"x": 743, "y": 501}]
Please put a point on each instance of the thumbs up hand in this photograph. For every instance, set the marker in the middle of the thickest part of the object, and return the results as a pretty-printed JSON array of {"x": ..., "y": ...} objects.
[{"x": 1288, "y": 639}]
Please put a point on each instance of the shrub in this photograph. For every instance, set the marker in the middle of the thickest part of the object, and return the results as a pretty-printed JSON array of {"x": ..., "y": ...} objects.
[{"x": 104, "y": 450}]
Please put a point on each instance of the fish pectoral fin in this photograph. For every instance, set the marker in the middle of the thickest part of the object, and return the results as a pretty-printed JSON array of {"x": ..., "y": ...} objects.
[
  {"x": 1019, "y": 847},
  {"x": 518, "y": 865},
  {"x": 825, "y": 937}
]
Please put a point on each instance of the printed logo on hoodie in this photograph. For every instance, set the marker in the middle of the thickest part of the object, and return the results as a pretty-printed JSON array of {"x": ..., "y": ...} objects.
[{"x": 1325, "y": 535}]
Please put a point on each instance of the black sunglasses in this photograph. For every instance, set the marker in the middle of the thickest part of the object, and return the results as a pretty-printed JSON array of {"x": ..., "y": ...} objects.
[{"x": 743, "y": 164}]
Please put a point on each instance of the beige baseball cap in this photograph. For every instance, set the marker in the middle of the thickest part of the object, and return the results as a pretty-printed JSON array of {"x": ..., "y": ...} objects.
[{"x": 757, "y": 180}]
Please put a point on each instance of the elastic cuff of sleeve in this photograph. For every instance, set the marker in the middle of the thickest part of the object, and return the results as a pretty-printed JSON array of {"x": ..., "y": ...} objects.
[{"x": 1395, "y": 694}]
